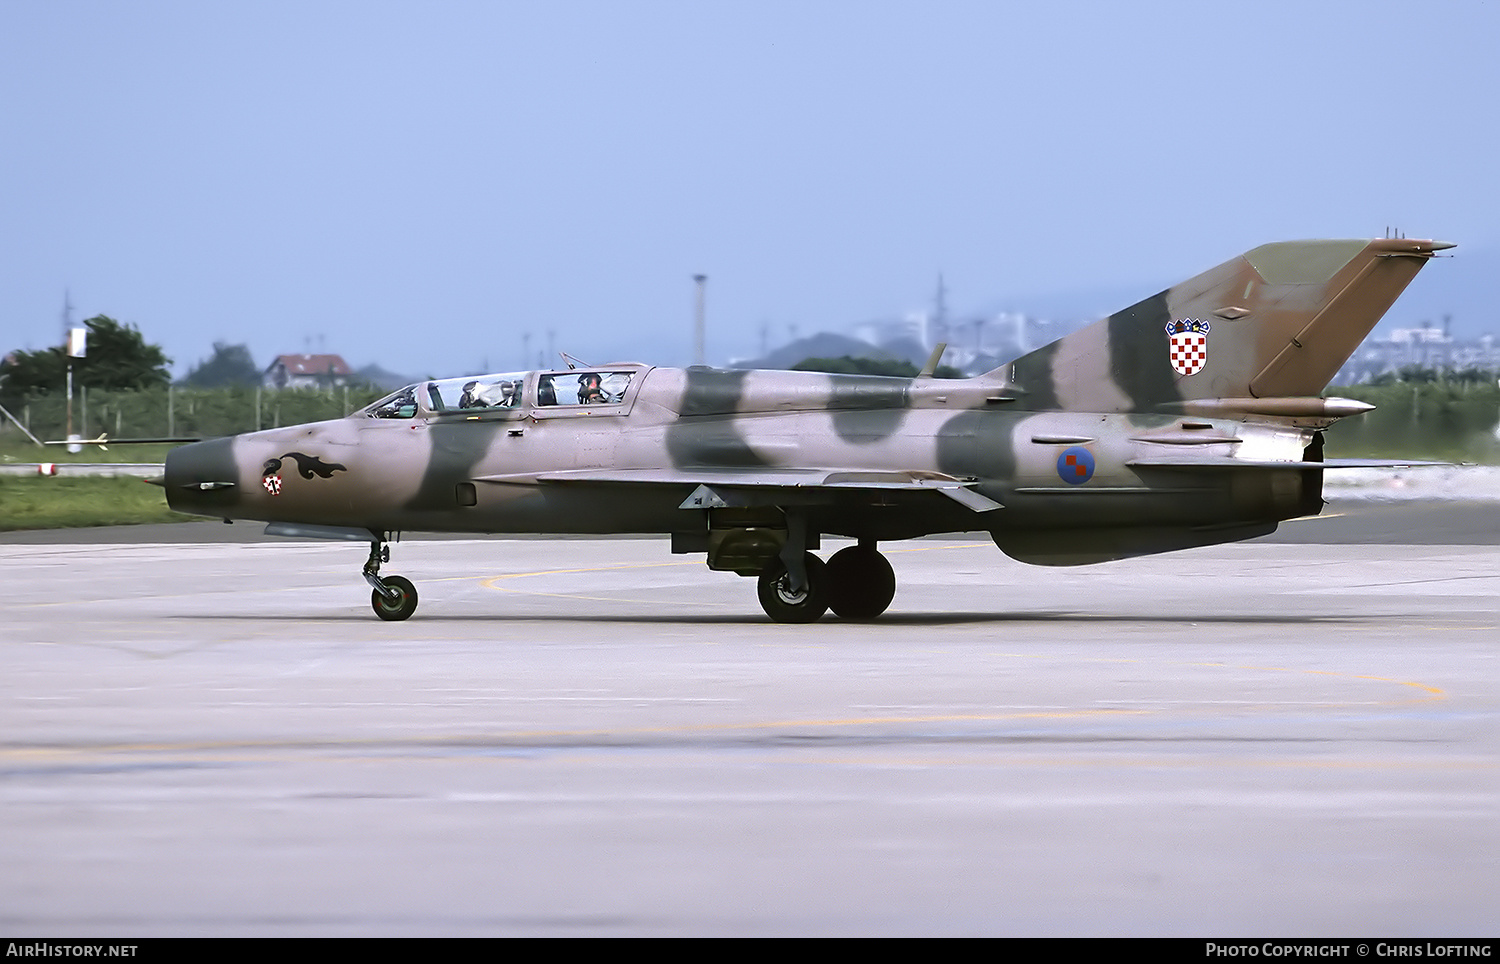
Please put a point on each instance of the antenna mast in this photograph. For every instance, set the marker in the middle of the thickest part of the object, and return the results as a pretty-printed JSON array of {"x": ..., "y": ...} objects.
[{"x": 699, "y": 325}]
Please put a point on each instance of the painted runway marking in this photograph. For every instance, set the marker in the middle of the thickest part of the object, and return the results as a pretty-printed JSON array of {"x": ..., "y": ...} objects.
[
  {"x": 519, "y": 738},
  {"x": 494, "y": 582}
]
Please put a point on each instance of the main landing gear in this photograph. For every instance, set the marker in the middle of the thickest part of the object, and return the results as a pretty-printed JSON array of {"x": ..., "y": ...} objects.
[
  {"x": 857, "y": 583},
  {"x": 393, "y": 598}
]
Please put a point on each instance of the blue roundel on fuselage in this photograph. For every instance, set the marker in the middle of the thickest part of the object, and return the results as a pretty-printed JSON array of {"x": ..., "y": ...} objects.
[{"x": 1076, "y": 465}]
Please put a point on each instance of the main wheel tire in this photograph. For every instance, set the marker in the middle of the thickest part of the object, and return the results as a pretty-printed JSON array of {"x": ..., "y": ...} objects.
[
  {"x": 785, "y": 606},
  {"x": 394, "y": 610},
  {"x": 861, "y": 583}
]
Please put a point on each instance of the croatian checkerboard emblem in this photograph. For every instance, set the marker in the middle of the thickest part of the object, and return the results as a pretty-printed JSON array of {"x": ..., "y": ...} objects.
[
  {"x": 1076, "y": 465},
  {"x": 1189, "y": 345},
  {"x": 272, "y": 484}
]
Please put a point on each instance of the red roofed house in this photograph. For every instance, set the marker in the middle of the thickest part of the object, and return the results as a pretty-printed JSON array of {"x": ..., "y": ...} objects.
[{"x": 306, "y": 371}]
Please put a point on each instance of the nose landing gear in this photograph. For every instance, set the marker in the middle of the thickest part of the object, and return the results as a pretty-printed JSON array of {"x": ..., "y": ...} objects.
[
  {"x": 400, "y": 604},
  {"x": 393, "y": 598}
]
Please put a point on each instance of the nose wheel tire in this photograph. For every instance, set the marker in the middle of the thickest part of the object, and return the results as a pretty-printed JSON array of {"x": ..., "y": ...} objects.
[
  {"x": 861, "y": 583},
  {"x": 398, "y": 608},
  {"x": 785, "y": 605}
]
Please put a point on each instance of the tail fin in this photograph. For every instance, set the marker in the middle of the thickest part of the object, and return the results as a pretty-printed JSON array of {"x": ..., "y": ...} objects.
[{"x": 1275, "y": 322}]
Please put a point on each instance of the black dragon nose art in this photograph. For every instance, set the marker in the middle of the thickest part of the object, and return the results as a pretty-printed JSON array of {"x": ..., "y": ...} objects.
[{"x": 307, "y": 466}]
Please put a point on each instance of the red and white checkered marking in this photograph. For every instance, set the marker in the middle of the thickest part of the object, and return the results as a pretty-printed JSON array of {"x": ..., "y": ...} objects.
[{"x": 1189, "y": 352}]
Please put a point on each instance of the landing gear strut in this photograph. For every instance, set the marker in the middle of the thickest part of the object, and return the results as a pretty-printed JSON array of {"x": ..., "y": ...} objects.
[
  {"x": 787, "y": 604},
  {"x": 393, "y": 598},
  {"x": 857, "y": 583}
]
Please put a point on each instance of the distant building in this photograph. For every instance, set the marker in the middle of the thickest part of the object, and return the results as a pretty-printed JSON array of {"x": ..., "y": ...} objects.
[
  {"x": 1427, "y": 347},
  {"x": 306, "y": 371}
]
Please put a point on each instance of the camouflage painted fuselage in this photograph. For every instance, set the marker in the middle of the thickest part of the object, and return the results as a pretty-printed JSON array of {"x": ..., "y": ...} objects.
[{"x": 1190, "y": 418}]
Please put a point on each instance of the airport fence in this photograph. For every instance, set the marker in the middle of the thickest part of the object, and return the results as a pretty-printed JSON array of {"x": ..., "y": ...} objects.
[
  {"x": 1449, "y": 420},
  {"x": 178, "y": 412}
]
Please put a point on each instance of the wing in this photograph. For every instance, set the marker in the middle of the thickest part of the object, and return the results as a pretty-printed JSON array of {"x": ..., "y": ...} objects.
[{"x": 723, "y": 488}]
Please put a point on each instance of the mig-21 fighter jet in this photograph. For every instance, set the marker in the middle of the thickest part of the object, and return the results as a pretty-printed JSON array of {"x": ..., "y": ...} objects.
[{"x": 1191, "y": 418}]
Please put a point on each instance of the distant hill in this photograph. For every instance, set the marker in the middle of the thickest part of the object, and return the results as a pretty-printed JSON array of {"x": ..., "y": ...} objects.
[{"x": 822, "y": 345}]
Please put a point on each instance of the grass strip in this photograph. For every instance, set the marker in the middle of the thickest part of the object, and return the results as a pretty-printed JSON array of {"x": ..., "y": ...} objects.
[{"x": 59, "y": 502}]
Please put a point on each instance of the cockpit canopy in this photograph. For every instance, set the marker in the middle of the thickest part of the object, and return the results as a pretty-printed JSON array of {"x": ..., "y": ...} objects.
[{"x": 495, "y": 393}]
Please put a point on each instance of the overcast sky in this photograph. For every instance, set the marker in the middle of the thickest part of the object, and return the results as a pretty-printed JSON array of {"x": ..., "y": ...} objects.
[{"x": 424, "y": 184}]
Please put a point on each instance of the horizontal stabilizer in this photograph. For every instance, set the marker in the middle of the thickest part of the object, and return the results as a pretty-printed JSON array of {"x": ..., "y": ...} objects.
[
  {"x": 1227, "y": 462},
  {"x": 1380, "y": 464},
  {"x": 1318, "y": 411}
]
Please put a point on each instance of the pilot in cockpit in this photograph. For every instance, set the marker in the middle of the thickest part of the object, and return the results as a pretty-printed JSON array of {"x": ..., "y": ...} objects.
[{"x": 589, "y": 392}]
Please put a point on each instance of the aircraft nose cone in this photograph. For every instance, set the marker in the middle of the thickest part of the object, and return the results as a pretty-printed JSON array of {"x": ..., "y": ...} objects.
[{"x": 201, "y": 478}]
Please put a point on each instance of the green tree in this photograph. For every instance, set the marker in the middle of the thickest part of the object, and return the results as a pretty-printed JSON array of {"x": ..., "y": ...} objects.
[
  {"x": 29, "y": 374},
  {"x": 118, "y": 358},
  {"x": 1419, "y": 374},
  {"x": 228, "y": 365}
]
